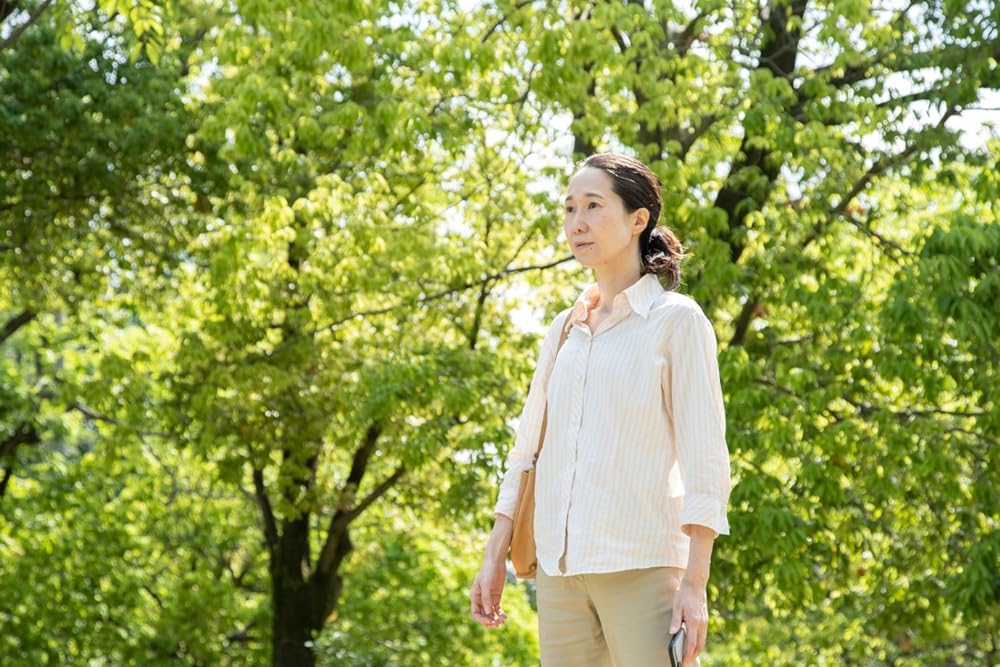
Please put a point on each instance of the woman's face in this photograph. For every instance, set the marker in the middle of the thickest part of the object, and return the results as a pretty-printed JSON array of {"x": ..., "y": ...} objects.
[{"x": 600, "y": 232}]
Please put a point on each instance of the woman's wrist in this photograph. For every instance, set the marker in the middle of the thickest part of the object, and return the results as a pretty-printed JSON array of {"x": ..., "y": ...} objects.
[
  {"x": 699, "y": 557},
  {"x": 694, "y": 580},
  {"x": 499, "y": 542}
]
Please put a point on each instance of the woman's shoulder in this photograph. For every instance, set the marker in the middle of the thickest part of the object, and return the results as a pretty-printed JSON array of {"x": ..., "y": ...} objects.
[
  {"x": 560, "y": 320},
  {"x": 678, "y": 316},
  {"x": 672, "y": 305}
]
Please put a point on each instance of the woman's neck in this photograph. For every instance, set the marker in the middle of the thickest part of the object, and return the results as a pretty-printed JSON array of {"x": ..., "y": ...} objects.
[{"x": 611, "y": 284}]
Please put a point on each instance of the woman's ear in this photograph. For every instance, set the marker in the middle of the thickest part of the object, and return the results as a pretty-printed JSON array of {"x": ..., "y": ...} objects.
[{"x": 640, "y": 221}]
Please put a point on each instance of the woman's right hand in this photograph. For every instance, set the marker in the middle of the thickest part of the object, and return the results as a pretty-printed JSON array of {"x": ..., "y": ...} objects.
[{"x": 486, "y": 592}]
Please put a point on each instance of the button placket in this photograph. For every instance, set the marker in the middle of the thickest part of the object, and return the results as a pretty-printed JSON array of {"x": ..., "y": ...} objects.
[{"x": 579, "y": 387}]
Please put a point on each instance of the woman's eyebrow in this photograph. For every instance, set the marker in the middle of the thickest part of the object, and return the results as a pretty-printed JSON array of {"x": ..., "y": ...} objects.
[{"x": 587, "y": 194}]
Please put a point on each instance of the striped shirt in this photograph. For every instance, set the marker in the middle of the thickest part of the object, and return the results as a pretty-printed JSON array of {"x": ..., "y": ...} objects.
[{"x": 635, "y": 448}]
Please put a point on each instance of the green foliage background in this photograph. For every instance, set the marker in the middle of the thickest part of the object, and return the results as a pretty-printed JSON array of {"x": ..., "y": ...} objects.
[{"x": 266, "y": 269}]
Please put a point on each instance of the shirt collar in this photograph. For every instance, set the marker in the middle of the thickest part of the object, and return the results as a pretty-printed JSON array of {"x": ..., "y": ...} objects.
[{"x": 639, "y": 296}]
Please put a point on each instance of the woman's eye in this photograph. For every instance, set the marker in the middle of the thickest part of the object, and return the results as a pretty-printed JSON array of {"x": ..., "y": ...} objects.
[
  {"x": 593, "y": 204},
  {"x": 569, "y": 209}
]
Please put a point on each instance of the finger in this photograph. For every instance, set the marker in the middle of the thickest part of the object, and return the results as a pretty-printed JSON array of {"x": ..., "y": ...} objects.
[
  {"x": 498, "y": 615},
  {"x": 497, "y": 619},
  {"x": 702, "y": 639},
  {"x": 480, "y": 617},
  {"x": 689, "y": 647},
  {"x": 676, "y": 616},
  {"x": 485, "y": 611},
  {"x": 690, "y": 641},
  {"x": 475, "y": 598},
  {"x": 691, "y": 650},
  {"x": 478, "y": 613},
  {"x": 472, "y": 600},
  {"x": 495, "y": 596},
  {"x": 694, "y": 632},
  {"x": 695, "y": 639},
  {"x": 484, "y": 620}
]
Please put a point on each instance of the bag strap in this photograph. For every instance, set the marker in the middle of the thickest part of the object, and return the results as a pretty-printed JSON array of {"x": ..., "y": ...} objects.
[{"x": 545, "y": 415}]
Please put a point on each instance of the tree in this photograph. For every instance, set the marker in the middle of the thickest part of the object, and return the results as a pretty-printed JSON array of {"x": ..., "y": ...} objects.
[
  {"x": 113, "y": 545},
  {"x": 97, "y": 190},
  {"x": 335, "y": 335},
  {"x": 130, "y": 555},
  {"x": 407, "y": 601},
  {"x": 798, "y": 142},
  {"x": 297, "y": 279}
]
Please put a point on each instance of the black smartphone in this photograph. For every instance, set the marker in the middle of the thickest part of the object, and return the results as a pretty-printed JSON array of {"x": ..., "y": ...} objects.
[{"x": 676, "y": 647}]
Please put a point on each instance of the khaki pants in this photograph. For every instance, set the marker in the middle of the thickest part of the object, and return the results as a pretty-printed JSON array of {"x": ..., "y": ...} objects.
[{"x": 619, "y": 619}]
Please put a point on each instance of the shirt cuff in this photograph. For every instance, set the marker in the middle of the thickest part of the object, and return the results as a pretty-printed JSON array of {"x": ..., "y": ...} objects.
[
  {"x": 704, "y": 510},
  {"x": 507, "y": 500}
]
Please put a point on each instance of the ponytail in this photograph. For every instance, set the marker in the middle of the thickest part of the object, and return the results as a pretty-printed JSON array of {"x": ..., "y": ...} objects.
[{"x": 661, "y": 253}]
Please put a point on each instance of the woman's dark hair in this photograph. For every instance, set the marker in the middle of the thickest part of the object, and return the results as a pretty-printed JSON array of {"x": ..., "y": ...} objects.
[{"x": 660, "y": 251}]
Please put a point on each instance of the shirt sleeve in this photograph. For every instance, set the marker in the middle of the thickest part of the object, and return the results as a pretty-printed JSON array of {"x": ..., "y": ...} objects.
[
  {"x": 699, "y": 423},
  {"x": 522, "y": 454}
]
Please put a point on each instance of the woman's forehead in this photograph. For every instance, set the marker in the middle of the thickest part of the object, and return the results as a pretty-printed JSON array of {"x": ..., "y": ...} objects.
[{"x": 589, "y": 181}]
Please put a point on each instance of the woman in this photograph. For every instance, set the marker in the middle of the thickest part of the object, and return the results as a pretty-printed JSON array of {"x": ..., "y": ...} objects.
[{"x": 633, "y": 480}]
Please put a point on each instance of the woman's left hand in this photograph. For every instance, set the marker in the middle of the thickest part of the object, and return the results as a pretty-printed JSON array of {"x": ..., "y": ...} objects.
[{"x": 691, "y": 606}]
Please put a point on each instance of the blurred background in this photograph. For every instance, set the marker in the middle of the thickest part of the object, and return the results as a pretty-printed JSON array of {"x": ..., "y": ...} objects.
[{"x": 274, "y": 276}]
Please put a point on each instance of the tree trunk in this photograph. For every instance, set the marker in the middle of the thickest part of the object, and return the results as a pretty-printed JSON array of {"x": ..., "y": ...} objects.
[
  {"x": 294, "y": 632},
  {"x": 302, "y": 597},
  {"x": 297, "y": 605},
  {"x": 297, "y": 608}
]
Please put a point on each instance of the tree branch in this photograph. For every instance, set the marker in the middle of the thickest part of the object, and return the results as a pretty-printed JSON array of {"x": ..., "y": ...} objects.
[
  {"x": 196, "y": 37},
  {"x": 7, "y": 473},
  {"x": 743, "y": 321},
  {"x": 866, "y": 409},
  {"x": 477, "y": 320},
  {"x": 361, "y": 456},
  {"x": 7, "y": 7},
  {"x": 376, "y": 493},
  {"x": 583, "y": 145},
  {"x": 267, "y": 514},
  {"x": 16, "y": 322},
  {"x": 620, "y": 39},
  {"x": 877, "y": 169},
  {"x": 21, "y": 28},
  {"x": 337, "y": 544},
  {"x": 683, "y": 40},
  {"x": 444, "y": 293},
  {"x": 90, "y": 414},
  {"x": 243, "y": 634},
  {"x": 687, "y": 137},
  {"x": 503, "y": 19},
  {"x": 24, "y": 434},
  {"x": 742, "y": 193}
]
